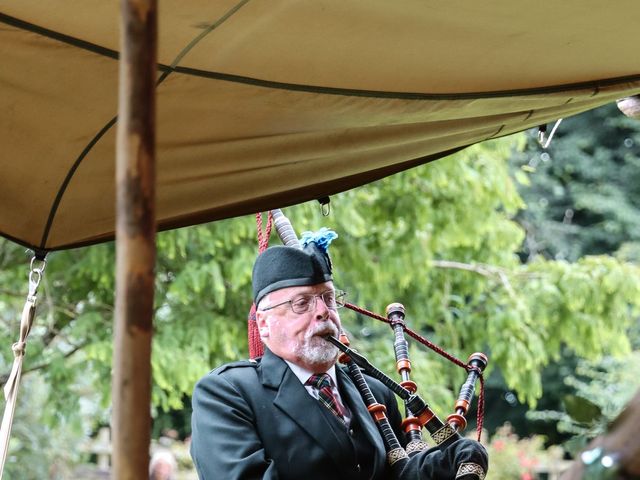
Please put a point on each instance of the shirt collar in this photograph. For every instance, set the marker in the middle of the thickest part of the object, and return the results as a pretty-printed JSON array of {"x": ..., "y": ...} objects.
[{"x": 303, "y": 374}]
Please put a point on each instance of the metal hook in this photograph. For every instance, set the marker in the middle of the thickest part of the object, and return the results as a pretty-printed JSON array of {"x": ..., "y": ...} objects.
[
  {"x": 325, "y": 206},
  {"x": 541, "y": 133},
  {"x": 40, "y": 267},
  {"x": 35, "y": 276},
  {"x": 542, "y": 130}
]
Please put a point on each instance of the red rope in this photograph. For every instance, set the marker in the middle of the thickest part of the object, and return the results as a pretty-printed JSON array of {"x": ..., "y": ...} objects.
[
  {"x": 263, "y": 237},
  {"x": 439, "y": 351},
  {"x": 480, "y": 414},
  {"x": 256, "y": 348}
]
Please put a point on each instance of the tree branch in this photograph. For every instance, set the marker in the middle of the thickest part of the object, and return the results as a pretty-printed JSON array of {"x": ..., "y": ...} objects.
[{"x": 481, "y": 269}]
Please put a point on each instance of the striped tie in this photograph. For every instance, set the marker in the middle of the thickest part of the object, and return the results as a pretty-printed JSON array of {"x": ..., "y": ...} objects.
[{"x": 323, "y": 383}]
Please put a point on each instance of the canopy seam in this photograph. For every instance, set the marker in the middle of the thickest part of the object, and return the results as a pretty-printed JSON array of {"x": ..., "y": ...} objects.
[
  {"x": 103, "y": 51},
  {"x": 595, "y": 85}
]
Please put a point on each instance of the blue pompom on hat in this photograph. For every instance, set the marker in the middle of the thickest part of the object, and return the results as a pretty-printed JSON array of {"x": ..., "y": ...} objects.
[{"x": 322, "y": 238}]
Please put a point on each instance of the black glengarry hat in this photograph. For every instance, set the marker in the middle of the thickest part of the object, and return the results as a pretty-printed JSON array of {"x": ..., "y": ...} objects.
[{"x": 280, "y": 267}]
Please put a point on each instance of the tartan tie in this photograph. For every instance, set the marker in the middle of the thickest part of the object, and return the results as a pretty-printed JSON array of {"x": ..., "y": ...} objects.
[{"x": 323, "y": 383}]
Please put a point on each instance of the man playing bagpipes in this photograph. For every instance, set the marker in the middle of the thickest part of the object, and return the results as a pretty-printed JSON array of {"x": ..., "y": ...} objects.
[{"x": 293, "y": 413}]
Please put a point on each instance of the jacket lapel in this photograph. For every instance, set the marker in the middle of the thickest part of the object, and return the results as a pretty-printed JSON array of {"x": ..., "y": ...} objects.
[
  {"x": 351, "y": 394},
  {"x": 293, "y": 400}
]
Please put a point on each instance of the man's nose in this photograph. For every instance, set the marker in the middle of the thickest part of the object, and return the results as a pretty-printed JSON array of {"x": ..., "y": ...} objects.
[{"x": 322, "y": 311}]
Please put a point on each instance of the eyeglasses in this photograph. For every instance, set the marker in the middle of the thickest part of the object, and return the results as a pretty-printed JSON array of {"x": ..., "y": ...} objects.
[{"x": 306, "y": 302}]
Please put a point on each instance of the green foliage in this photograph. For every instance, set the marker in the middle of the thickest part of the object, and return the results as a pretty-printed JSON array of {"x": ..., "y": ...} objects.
[
  {"x": 39, "y": 448},
  {"x": 581, "y": 409},
  {"x": 582, "y": 193},
  {"x": 582, "y": 197},
  {"x": 602, "y": 389},
  {"x": 440, "y": 239}
]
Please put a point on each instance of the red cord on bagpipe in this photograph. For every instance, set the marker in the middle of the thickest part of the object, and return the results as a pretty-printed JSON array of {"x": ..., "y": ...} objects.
[{"x": 439, "y": 351}]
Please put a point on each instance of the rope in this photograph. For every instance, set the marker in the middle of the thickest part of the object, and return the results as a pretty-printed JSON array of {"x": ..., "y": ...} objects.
[
  {"x": 480, "y": 413},
  {"x": 439, "y": 351},
  {"x": 19, "y": 348},
  {"x": 256, "y": 348},
  {"x": 263, "y": 237}
]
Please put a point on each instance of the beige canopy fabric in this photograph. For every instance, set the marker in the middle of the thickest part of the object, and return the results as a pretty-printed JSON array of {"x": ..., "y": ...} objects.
[{"x": 268, "y": 103}]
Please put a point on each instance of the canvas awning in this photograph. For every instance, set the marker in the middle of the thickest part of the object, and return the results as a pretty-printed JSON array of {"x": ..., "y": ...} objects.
[{"x": 267, "y": 103}]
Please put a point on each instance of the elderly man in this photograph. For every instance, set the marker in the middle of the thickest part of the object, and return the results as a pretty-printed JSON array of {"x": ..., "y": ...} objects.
[{"x": 293, "y": 414}]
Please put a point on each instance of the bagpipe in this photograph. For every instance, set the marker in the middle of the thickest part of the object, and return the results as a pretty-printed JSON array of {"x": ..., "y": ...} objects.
[{"x": 418, "y": 414}]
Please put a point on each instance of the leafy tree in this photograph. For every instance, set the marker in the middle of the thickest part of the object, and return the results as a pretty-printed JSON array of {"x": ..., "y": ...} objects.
[
  {"x": 42, "y": 448},
  {"x": 440, "y": 239},
  {"x": 600, "y": 392},
  {"x": 582, "y": 197},
  {"x": 583, "y": 192}
]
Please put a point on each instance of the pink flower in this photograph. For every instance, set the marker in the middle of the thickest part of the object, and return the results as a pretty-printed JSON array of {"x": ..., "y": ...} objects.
[{"x": 528, "y": 462}]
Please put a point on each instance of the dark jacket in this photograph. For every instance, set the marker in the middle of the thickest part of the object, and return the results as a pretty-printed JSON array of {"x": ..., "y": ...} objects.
[{"x": 255, "y": 420}]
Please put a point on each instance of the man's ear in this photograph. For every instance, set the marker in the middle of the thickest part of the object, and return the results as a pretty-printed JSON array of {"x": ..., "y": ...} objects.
[{"x": 261, "y": 321}]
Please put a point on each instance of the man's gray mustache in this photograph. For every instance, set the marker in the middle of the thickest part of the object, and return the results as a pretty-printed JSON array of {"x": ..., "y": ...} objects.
[{"x": 325, "y": 330}]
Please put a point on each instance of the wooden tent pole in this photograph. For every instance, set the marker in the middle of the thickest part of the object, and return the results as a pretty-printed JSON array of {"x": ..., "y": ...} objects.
[{"x": 135, "y": 241}]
